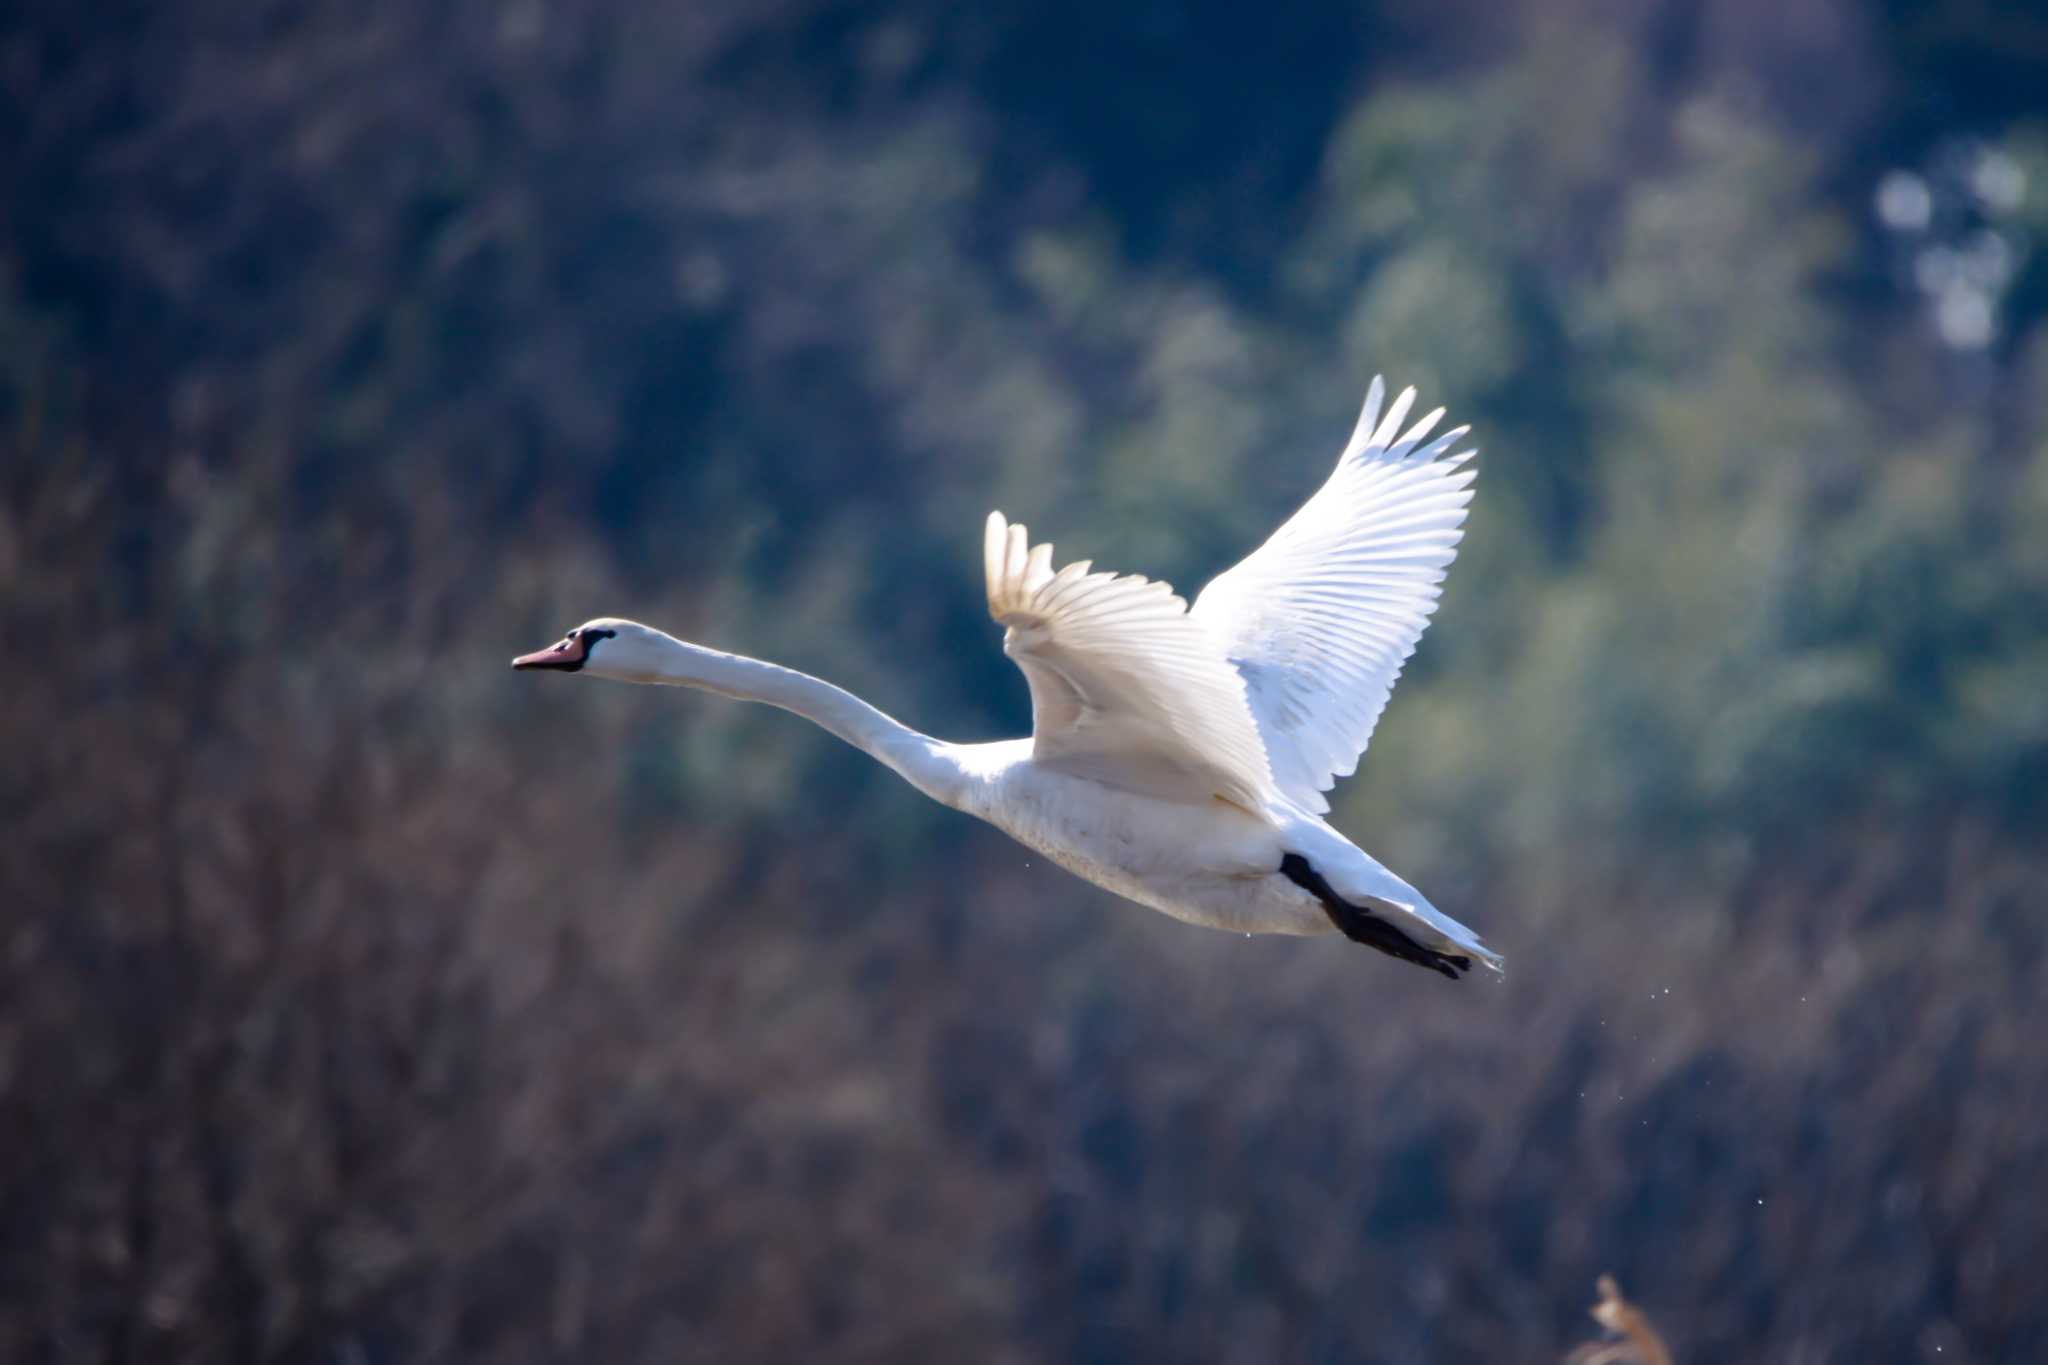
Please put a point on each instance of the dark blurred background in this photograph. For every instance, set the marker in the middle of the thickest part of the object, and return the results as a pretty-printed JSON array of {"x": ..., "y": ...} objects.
[{"x": 363, "y": 1002}]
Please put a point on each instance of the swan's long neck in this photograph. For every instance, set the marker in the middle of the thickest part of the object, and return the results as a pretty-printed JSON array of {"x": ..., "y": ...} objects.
[{"x": 926, "y": 763}]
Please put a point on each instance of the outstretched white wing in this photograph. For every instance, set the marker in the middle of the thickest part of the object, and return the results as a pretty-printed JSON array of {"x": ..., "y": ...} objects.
[
  {"x": 1126, "y": 688},
  {"x": 1321, "y": 617}
]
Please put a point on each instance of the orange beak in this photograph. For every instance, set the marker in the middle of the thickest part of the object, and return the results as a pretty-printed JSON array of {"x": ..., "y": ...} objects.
[{"x": 567, "y": 657}]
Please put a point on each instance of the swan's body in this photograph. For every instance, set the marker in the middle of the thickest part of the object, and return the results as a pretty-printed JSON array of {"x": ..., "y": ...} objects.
[{"x": 1179, "y": 755}]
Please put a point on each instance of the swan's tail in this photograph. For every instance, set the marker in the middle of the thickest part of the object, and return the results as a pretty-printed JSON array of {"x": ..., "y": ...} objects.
[
  {"x": 1371, "y": 905},
  {"x": 1433, "y": 927},
  {"x": 1395, "y": 929}
]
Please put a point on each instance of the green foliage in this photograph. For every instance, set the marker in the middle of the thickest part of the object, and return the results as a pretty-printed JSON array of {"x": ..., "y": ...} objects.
[{"x": 360, "y": 1000}]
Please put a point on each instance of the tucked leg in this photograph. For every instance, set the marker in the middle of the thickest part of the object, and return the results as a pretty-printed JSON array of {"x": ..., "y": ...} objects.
[{"x": 1362, "y": 926}]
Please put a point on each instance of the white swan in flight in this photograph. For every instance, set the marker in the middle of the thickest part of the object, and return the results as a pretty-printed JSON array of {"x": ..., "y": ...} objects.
[{"x": 1179, "y": 755}]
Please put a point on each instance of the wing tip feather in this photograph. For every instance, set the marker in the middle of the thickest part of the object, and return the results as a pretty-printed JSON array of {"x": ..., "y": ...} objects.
[
  {"x": 1368, "y": 419},
  {"x": 1011, "y": 565}
]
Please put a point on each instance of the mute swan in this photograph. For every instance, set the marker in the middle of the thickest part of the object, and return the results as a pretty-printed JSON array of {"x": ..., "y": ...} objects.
[{"x": 1179, "y": 755}]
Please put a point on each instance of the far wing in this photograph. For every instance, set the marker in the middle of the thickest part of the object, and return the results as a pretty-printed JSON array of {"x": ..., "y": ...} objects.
[
  {"x": 1126, "y": 689},
  {"x": 1321, "y": 617}
]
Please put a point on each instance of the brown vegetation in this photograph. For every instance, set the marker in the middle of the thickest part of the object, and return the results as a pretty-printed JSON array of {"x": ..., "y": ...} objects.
[
  {"x": 1632, "y": 1340},
  {"x": 363, "y": 1002}
]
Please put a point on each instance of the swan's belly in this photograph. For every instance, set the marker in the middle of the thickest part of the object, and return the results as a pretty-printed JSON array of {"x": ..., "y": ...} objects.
[{"x": 1210, "y": 864}]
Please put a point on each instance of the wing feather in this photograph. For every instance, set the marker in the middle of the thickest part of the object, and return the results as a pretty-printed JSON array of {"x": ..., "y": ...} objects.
[
  {"x": 1320, "y": 619},
  {"x": 1126, "y": 688}
]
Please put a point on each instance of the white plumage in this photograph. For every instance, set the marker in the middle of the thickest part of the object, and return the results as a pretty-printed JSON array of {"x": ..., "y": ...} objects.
[
  {"x": 1320, "y": 618},
  {"x": 1180, "y": 756},
  {"x": 1126, "y": 687}
]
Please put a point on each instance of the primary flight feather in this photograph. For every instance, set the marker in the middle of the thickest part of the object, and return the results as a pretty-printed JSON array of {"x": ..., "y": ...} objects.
[{"x": 1179, "y": 756}]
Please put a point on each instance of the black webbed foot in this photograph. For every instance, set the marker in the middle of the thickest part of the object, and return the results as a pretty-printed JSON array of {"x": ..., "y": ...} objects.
[{"x": 1362, "y": 926}]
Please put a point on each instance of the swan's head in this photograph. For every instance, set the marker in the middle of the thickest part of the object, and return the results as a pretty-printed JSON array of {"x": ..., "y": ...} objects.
[{"x": 604, "y": 648}]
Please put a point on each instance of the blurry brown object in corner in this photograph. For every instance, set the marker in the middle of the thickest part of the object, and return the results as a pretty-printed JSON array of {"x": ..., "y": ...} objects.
[{"x": 1638, "y": 1342}]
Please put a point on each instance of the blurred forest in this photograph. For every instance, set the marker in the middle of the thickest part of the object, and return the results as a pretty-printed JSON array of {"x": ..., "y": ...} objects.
[{"x": 364, "y": 1002}]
